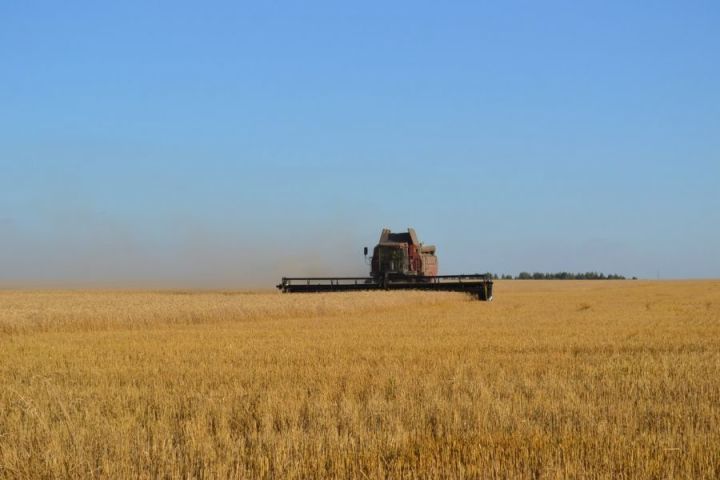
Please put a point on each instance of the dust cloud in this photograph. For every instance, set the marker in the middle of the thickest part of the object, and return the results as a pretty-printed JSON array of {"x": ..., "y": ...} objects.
[{"x": 91, "y": 250}]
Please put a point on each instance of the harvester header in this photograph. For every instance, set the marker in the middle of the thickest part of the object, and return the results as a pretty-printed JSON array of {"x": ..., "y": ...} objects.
[{"x": 399, "y": 262}]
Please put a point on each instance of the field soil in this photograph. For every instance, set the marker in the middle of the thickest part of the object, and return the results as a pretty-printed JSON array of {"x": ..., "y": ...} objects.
[{"x": 553, "y": 379}]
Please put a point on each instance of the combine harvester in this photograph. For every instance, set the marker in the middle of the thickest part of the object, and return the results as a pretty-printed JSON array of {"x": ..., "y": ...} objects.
[{"x": 399, "y": 262}]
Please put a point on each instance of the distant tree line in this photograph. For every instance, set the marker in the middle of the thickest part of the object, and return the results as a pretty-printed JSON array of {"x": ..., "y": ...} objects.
[{"x": 558, "y": 276}]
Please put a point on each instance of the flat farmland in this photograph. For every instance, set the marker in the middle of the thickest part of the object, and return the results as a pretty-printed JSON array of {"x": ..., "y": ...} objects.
[{"x": 553, "y": 379}]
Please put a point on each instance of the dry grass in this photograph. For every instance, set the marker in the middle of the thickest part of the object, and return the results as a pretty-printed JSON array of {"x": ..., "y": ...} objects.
[{"x": 552, "y": 380}]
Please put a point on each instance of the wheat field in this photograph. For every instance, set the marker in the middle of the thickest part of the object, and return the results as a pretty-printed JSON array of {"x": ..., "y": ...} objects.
[{"x": 553, "y": 379}]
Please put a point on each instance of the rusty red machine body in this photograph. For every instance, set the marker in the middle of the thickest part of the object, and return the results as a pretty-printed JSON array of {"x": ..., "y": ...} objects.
[
  {"x": 403, "y": 253},
  {"x": 399, "y": 262}
]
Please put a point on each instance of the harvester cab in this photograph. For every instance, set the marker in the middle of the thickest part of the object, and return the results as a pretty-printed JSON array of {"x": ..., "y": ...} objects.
[{"x": 402, "y": 254}]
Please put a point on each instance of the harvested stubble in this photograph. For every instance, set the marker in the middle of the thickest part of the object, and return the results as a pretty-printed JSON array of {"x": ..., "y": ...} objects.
[{"x": 552, "y": 380}]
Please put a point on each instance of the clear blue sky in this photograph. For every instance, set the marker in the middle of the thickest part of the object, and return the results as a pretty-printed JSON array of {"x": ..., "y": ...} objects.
[{"x": 225, "y": 144}]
